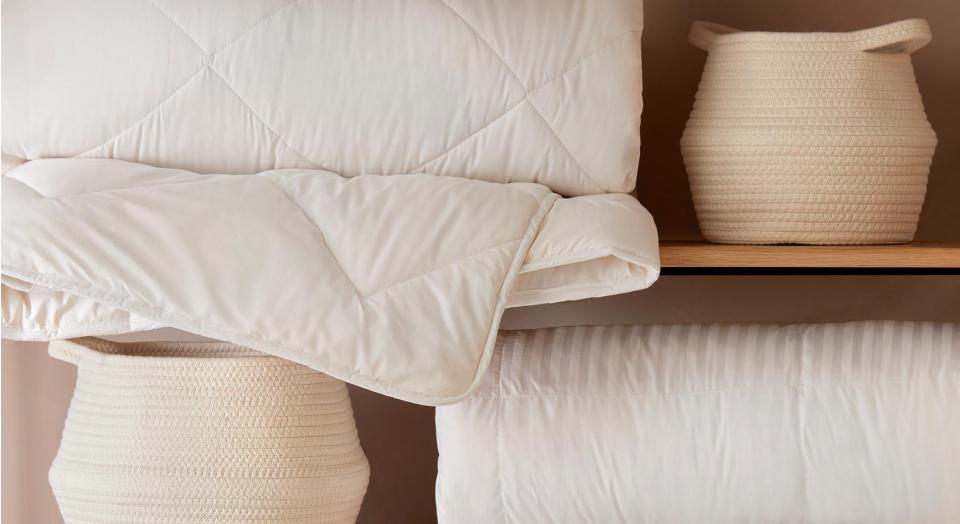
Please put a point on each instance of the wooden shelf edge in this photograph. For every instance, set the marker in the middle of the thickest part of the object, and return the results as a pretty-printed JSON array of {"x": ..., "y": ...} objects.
[{"x": 706, "y": 255}]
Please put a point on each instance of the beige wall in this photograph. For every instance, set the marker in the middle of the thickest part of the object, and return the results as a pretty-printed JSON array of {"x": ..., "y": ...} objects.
[
  {"x": 399, "y": 437},
  {"x": 36, "y": 392}
]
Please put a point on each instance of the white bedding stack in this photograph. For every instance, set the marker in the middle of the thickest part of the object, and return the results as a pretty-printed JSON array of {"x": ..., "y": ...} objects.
[
  {"x": 809, "y": 138},
  {"x": 853, "y": 422},
  {"x": 210, "y": 432}
]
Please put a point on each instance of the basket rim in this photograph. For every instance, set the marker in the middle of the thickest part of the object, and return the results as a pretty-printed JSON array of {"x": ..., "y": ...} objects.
[{"x": 99, "y": 351}]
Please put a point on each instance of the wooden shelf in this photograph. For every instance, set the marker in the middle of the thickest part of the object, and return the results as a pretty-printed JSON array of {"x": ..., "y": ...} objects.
[{"x": 923, "y": 256}]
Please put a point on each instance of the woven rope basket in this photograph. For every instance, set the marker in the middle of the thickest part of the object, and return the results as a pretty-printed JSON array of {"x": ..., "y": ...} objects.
[
  {"x": 209, "y": 432},
  {"x": 808, "y": 138}
]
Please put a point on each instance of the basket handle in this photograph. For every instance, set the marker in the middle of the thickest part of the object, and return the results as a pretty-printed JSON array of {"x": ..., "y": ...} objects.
[
  {"x": 905, "y": 36},
  {"x": 704, "y": 34}
]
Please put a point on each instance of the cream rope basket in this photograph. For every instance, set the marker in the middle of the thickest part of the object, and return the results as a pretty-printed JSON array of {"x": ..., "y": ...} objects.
[
  {"x": 808, "y": 138},
  {"x": 208, "y": 432}
]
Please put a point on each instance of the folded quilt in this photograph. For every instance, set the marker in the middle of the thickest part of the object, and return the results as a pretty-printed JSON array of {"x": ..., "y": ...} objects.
[
  {"x": 851, "y": 422},
  {"x": 396, "y": 284}
]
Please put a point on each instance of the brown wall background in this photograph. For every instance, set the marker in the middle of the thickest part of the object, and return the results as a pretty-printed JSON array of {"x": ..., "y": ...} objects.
[{"x": 398, "y": 437}]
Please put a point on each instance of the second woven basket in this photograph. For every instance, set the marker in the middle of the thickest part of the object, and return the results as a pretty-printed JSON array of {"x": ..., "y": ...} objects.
[
  {"x": 204, "y": 433},
  {"x": 809, "y": 138}
]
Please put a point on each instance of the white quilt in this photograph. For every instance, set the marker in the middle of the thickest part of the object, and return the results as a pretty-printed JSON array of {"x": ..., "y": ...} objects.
[
  {"x": 394, "y": 283},
  {"x": 854, "y": 422},
  {"x": 486, "y": 111},
  {"x": 544, "y": 91}
]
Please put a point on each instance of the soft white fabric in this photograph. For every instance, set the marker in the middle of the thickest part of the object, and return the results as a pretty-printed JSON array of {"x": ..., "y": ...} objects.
[
  {"x": 589, "y": 246},
  {"x": 396, "y": 283},
  {"x": 541, "y": 91},
  {"x": 855, "y": 422}
]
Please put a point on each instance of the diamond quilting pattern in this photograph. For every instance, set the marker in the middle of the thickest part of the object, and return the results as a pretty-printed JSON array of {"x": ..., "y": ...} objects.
[
  {"x": 214, "y": 24},
  {"x": 377, "y": 119},
  {"x": 184, "y": 148},
  {"x": 359, "y": 87},
  {"x": 81, "y": 76}
]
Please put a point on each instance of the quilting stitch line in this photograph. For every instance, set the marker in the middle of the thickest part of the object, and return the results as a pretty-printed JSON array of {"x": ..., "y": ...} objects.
[
  {"x": 480, "y": 37},
  {"x": 278, "y": 136},
  {"x": 206, "y": 58}
]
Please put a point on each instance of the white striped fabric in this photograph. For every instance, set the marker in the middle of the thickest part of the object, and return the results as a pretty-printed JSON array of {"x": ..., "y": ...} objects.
[{"x": 851, "y": 422}]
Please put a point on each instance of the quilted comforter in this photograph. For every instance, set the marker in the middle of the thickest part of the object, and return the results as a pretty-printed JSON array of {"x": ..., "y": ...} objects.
[
  {"x": 850, "y": 422},
  {"x": 395, "y": 283},
  {"x": 302, "y": 247}
]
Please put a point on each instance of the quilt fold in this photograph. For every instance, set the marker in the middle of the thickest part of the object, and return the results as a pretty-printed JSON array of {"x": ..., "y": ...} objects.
[{"x": 396, "y": 284}]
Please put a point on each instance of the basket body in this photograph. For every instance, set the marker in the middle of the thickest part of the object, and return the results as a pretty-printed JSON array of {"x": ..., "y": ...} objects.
[
  {"x": 187, "y": 433},
  {"x": 808, "y": 138}
]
